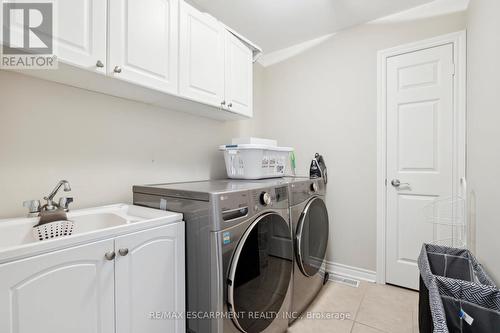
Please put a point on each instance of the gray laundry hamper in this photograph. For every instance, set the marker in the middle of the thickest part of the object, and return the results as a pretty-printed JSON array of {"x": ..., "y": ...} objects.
[{"x": 456, "y": 295}]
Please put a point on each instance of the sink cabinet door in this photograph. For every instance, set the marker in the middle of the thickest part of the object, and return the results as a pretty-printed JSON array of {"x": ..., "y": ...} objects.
[
  {"x": 65, "y": 291},
  {"x": 150, "y": 279}
]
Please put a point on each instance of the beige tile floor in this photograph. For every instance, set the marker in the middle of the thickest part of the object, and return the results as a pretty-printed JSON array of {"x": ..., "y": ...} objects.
[{"x": 371, "y": 308}]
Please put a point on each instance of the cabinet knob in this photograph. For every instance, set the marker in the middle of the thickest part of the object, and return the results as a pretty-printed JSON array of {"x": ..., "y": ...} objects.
[
  {"x": 110, "y": 255},
  {"x": 223, "y": 103},
  {"x": 117, "y": 69},
  {"x": 99, "y": 64},
  {"x": 230, "y": 105},
  {"x": 123, "y": 252}
]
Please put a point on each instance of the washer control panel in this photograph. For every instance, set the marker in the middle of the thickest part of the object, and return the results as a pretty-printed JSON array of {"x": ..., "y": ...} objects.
[{"x": 270, "y": 198}]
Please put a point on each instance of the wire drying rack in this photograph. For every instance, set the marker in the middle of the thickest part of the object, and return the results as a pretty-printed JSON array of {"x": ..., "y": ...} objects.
[{"x": 447, "y": 215}]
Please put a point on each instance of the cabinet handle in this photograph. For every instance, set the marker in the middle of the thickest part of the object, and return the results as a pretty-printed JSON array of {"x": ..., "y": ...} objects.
[
  {"x": 230, "y": 105},
  {"x": 110, "y": 255},
  {"x": 99, "y": 64},
  {"x": 117, "y": 69},
  {"x": 123, "y": 252}
]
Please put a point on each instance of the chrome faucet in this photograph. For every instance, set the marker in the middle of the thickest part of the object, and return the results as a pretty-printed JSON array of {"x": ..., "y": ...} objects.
[
  {"x": 35, "y": 208},
  {"x": 51, "y": 205}
]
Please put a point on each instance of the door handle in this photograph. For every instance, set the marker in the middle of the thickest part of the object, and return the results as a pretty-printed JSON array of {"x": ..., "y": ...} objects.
[{"x": 397, "y": 183}]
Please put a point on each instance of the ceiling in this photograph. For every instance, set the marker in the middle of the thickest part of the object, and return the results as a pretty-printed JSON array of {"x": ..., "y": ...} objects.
[{"x": 277, "y": 24}]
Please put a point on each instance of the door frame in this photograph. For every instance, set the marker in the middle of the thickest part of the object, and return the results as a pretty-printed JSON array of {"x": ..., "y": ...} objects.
[{"x": 458, "y": 40}]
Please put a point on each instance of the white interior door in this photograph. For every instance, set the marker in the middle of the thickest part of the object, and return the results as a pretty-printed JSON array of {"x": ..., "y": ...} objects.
[
  {"x": 143, "y": 42},
  {"x": 420, "y": 154}
]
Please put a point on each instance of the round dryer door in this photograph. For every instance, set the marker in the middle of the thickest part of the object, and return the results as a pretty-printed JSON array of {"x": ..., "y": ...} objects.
[
  {"x": 260, "y": 273},
  {"x": 312, "y": 237}
]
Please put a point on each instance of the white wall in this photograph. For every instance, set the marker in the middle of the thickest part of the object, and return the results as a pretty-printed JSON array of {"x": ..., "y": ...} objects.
[
  {"x": 324, "y": 100},
  {"x": 483, "y": 27},
  {"x": 103, "y": 145}
]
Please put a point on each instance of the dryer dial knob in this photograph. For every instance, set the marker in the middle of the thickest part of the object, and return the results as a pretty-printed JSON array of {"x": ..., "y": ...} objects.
[
  {"x": 314, "y": 187},
  {"x": 265, "y": 198}
]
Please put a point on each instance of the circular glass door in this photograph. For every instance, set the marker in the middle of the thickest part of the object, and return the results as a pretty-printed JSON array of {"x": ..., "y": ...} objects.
[
  {"x": 260, "y": 273},
  {"x": 312, "y": 237}
]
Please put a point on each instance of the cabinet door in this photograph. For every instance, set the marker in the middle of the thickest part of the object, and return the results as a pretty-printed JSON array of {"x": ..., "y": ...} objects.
[
  {"x": 201, "y": 57},
  {"x": 143, "y": 42},
  {"x": 239, "y": 76},
  {"x": 79, "y": 31},
  {"x": 64, "y": 291},
  {"x": 80, "y": 37},
  {"x": 150, "y": 279}
]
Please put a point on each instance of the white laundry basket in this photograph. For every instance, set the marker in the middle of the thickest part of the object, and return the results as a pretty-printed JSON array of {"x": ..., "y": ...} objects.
[{"x": 251, "y": 161}]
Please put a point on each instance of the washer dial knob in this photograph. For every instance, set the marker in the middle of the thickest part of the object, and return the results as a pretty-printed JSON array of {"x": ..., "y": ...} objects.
[
  {"x": 265, "y": 198},
  {"x": 314, "y": 187}
]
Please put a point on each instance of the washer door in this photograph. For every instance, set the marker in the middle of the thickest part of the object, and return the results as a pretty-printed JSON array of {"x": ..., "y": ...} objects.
[
  {"x": 260, "y": 273},
  {"x": 312, "y": 237}
]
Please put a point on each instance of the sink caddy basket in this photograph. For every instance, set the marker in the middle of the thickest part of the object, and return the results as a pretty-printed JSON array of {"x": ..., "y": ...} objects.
[{"x": 53, "y": 229}]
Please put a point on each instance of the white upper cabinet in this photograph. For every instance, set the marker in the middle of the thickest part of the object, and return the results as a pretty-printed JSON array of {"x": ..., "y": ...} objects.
[
  {"x": 143, "y": 42},
  {"x": 201, "y": 75},
  {"x": 164, "y": 52},
  {"x": 80, "y": 33},
  {"x": 239, "y": 76},
  {"x": 70, "y": 290}
]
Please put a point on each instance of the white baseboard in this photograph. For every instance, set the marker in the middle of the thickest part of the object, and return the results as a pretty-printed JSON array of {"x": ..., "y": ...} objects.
[{"x": 351, "y": 272}]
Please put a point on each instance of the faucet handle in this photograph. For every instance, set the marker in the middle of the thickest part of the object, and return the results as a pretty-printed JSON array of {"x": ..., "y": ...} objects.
[
  {"x": 64, "y": 202},
  {"x": 33, "y": 206}
]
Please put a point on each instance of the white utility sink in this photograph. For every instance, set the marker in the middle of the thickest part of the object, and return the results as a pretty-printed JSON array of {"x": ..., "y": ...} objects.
[{"x": 17, "y": 240}]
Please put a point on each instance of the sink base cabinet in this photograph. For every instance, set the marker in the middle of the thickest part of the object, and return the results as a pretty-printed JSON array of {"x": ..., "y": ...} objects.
[
  {"x": 64, "y": 291},
  {"x": 79, "y": 290},
  {"x": 150, "y": 279}
]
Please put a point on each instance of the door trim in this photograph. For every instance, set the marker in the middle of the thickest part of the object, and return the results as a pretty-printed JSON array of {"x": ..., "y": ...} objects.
[{"x": 459, "y": 40}]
